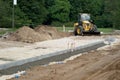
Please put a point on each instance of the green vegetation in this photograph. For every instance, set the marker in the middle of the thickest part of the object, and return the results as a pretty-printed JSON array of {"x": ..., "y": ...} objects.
[
  {"x": 104, "y": 30},
  {"x": 7, "y": 30},
  {"x": 66, "y": 28},
  {"x": 105, "y": 13}
]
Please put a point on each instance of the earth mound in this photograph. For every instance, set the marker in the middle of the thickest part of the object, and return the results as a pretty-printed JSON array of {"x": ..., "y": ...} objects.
[
  {"x": 26, "y": 34},
  {"x": 40, "y": 33},
  {"x": 51, "y": 32}
]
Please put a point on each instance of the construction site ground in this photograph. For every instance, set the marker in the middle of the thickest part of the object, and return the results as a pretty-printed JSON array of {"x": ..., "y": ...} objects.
[{"x": 100, "y": 64}]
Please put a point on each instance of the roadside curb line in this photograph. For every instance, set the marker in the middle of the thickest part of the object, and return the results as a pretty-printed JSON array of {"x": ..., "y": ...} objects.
[{"x": 55, "y": 56}]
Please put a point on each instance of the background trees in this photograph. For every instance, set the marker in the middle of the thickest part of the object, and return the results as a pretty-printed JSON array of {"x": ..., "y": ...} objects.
[
  {"x": 34, "y": 9},
  {"x": 105, "y": 13},
  {"x": 60, "y": 10},
  {"x": 5, "y": 14},
  {"x": 112, "y": 9}
]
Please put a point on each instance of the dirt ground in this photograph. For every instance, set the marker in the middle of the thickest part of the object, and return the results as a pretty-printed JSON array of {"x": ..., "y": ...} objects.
[
  {"x": 40, "y": 33},
  {"x": 100, "y": 64},
  {"x": 9, "y": 44}
]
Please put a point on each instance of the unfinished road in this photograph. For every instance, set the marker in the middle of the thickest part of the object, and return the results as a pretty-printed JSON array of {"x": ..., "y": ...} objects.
[
  {"x": 33, "y": 53},
  {"x": 41, "y": 53},
  {"x": 100, "y": 64}
]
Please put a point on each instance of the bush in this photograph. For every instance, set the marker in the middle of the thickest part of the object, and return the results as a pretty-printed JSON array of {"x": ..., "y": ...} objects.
[
  {"x": 69, "y": 24},
  {"x": 57, "y": 24}
]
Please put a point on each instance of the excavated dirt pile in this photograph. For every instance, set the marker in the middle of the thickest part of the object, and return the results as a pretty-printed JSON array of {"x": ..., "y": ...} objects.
[
  {"x": 25, "y": 34},
  {"x": 40, "y": 33},
  {"x": 50, "y": 32}
]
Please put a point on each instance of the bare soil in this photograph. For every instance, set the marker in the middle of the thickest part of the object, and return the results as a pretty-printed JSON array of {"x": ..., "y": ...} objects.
[
  {"x": 101, "y": 64},
  {"x": 116, "y": 32},
  {"x": 9, "y": 44},
  {"x": 40, "y": 33}
]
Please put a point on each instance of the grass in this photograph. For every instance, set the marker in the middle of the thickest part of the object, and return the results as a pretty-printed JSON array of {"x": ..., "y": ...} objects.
[
  {"x": 66, "y": 28},
  {"x": 104, "y": 30},
  {"x": 7, "y": 30}
]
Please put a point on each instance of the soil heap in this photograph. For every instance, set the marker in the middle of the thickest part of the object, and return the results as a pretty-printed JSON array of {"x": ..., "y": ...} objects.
[
  {"x": 50, "y": 32},
  {"x": 25, "y": 34},
  {"x": 40, "y": 33}
]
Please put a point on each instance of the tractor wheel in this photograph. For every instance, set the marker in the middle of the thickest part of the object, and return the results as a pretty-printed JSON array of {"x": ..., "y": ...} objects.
[
  {"x": 78, "y": 31},
  {"x": 95, "y": 28}
]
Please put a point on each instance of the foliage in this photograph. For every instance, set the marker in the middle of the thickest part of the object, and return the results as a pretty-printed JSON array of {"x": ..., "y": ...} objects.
[
  {"x": 60, "y": 10},
  {"x": 105, "y": 13},
  {"x": 34, "y": 10},
  {"x": 5, "y": 18},
  {"x": 20, "y": 17}
]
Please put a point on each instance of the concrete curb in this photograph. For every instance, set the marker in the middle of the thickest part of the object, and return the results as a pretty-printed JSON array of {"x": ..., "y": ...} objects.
[{"x": 45, "y": 59}]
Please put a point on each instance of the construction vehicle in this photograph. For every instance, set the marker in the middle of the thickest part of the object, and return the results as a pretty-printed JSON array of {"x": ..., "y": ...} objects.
[{"x": 85, "y": 25}]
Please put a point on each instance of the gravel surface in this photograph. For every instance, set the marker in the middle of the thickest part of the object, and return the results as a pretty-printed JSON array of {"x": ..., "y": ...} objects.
[
  {"x": 100, "y": 64},
  {"x": 45, "y": 47}
]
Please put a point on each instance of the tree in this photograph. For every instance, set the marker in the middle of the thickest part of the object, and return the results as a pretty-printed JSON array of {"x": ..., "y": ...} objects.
[
  {"x": 34, "y": 10},
  {"x": 105, "y": 13},
  {"x": 60, "y": 10},
  {"x": 76, "y": 7},
  {"x": 96, "y": 9},
  {"x": 48, "y": 5},
  {"x": 112, "y": 8},
  {"x": 93, "y": 7},
  {"x": 21, "y": 18},
  {"x": 5, "y": 14}
]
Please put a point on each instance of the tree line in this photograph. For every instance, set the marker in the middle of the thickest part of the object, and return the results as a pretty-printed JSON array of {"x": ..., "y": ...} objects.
[{"x": 105, "y": 13}]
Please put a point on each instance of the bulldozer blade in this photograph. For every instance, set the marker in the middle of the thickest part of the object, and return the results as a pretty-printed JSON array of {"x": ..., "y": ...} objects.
[{"x": 91, "y": 33}]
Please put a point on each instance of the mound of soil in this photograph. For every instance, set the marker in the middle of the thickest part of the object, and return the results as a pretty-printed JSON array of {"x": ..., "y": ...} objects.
[
  {"x": 26, "y": 34},
  {"x": 40, "y": 33},
  {"x": 51, "y": 32}
]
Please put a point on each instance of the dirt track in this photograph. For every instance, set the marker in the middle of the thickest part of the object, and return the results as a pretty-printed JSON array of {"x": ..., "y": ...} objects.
[{"x": 102, "y": 64}]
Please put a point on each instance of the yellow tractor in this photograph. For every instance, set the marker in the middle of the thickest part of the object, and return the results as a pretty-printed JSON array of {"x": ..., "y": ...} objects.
[{"x": 85, "y": 25}]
